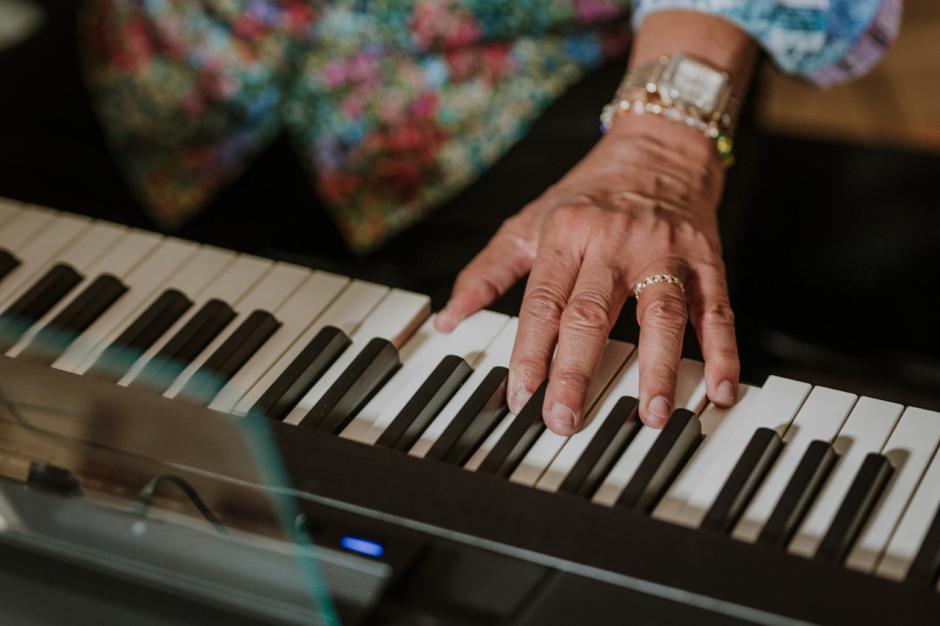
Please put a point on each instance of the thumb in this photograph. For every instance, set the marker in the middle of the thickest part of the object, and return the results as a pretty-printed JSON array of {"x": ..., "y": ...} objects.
[{"x": 491, "y": 273}]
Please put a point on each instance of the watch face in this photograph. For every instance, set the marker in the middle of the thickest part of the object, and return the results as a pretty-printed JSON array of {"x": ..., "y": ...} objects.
[{"x": 692, "y": 83}]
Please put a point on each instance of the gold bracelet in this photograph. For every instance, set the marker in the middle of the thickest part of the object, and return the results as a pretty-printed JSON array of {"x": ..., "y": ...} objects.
[
  {"x": 652, "y": 89},
  {"x": 641, "y": 105}
]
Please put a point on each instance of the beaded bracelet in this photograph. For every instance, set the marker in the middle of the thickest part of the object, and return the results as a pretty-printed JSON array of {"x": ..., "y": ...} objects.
[{"x": 640, "y": 97}]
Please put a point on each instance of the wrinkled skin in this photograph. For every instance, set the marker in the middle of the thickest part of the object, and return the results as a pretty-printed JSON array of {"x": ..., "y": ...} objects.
[{"x": 642, "y": 202}]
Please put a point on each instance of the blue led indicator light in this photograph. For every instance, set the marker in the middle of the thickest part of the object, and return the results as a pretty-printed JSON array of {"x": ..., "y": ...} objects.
[{"x": 362, "y": 546}]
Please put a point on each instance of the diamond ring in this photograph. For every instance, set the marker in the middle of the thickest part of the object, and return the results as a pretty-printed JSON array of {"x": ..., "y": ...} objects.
[{"x": 657, "y": 278}]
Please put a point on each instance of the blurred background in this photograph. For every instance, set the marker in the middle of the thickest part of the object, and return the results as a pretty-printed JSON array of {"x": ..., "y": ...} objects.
[{"x": 831, "y": 220}]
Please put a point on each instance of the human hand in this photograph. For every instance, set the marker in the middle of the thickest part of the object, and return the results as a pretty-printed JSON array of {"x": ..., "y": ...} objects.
[{"x": 642, "y": 202}]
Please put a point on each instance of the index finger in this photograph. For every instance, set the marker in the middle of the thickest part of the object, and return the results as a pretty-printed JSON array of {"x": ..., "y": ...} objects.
[
  {"x": 594, "y": 304},
  {"x": 550, "y": 283}
]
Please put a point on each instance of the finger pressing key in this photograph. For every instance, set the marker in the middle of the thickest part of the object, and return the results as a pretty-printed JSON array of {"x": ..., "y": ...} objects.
[
  {"x": 661, "y": 313},
  {"x": 714, "y": 322},
  {"x": 593, "y": 307},
  {"x": 552, "y": 279}
]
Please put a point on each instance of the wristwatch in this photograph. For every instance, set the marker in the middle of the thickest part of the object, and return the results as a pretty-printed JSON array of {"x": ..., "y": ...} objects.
[{"x": 684, "y": 89}]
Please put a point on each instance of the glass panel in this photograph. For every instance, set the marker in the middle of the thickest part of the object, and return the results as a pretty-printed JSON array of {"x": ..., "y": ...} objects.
[{"x": 193, "y": 501}]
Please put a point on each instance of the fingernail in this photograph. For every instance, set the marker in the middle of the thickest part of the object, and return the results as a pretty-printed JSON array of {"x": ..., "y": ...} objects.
[
  {"x": 659, "y": 409},
  {"x": 445, "y": 320},
  {"x": 561, "y": 418},
  {"x": 726, "y": 392}
]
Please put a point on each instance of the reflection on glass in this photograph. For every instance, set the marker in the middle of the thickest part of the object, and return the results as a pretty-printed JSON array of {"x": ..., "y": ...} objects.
[{"x": 173, "y": 494}]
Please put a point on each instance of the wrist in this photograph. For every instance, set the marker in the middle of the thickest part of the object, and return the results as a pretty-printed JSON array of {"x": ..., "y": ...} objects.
[
  {"x": 678, "y": 139},
  {"x": 654, "y": 147}
]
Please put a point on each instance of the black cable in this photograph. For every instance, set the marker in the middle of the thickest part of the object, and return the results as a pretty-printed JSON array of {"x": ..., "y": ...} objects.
[{"x": 145, "y": 495}]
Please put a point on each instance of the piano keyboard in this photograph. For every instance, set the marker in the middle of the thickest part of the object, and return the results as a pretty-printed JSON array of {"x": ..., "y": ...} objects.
[{"x": 816, "y": 472}]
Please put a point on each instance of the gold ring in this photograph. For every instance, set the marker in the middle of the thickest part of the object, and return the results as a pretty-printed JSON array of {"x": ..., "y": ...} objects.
[{"x": 657, "y": 278}]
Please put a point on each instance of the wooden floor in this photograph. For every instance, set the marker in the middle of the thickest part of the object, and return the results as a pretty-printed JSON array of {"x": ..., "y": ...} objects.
[{"x": 898, "y": 104}]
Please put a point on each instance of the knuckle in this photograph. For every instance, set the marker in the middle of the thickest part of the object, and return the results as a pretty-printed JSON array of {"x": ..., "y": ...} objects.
[
  {"x": 544, "y": 302},
  {"x": 570, "y": 380},
  {"x": 726, "y": 353},
  {"x": 531, "y": 368},
  {"x": 588, "y": 311},
  {"x": 666, "y": 310},
  {"x": 661, "y": 375},
  {"x": 718, "y": 314}
]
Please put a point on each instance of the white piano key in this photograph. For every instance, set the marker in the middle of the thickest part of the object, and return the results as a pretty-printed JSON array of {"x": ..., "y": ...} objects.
[
  {"x": 910, "y": 448},
  {"x": 23, "y": 226},
  {"x": 192, "y": 279},
  {"x": 866, "y": 430},
  {"x": 268, "y": 294},
  {"x": 119, "y": 259},
  {"x": 396, "y": 318},
  {"x": 820, "y": 417},
  {"x": 353, "y": 304},
  {"x": 236, "y": 279},
  {"x": 625, "y": 383},
  {"x": 691, "y": 395},
  {"x": 8, "y": 209},
  {"x": 775, "y": 407},
  {"x": 547, "y": 446},
  {"x": 80, "y": 254},
  {"x": 497, "y": 354},
  {"x": 143, "y": 282},
  {"x": 419, "y": 356},
  {"x": 36, "y": 255},
  {"x": 911, "y": 531},
  {"x": 296, "y": 314},
  {"x": 678, "y": 495}
]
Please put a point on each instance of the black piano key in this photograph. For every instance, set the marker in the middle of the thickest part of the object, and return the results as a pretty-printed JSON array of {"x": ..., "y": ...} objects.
[
  {"x": 36, "y": 302},
  {"x": 475, "y": 420},
  {"x": 195, "y": 335},
  {"x": 859, "y": 501},
  {"x": 425, "y": 404},
  {"x": 141, "y": 334},
  {"x": 361, "y": 380},
  {"x": 925, "y": 568},
  {"x": 302, "y": 373},
  {"x": 799, "y": 494},
  {"x": 8, "y": 263},
  {"x": 668, "y": 454},
  {"x": 62, "y": 330},
  {"x": 747, "y": 475},
  {"x": 231, "y": 356},
  {"x": 518, "y": 438},
  {"x": 608, "y": 444}
]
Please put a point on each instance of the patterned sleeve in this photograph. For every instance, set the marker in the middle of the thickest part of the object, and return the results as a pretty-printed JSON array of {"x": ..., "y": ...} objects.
[{"x": 824, "y": 41}]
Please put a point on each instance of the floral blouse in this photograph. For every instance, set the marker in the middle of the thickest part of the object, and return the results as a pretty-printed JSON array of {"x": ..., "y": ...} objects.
[{"x": 392, "y": 105}]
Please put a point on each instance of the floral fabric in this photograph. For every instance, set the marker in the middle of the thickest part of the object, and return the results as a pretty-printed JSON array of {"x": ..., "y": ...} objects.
[{"x": 392, "y": 105}]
